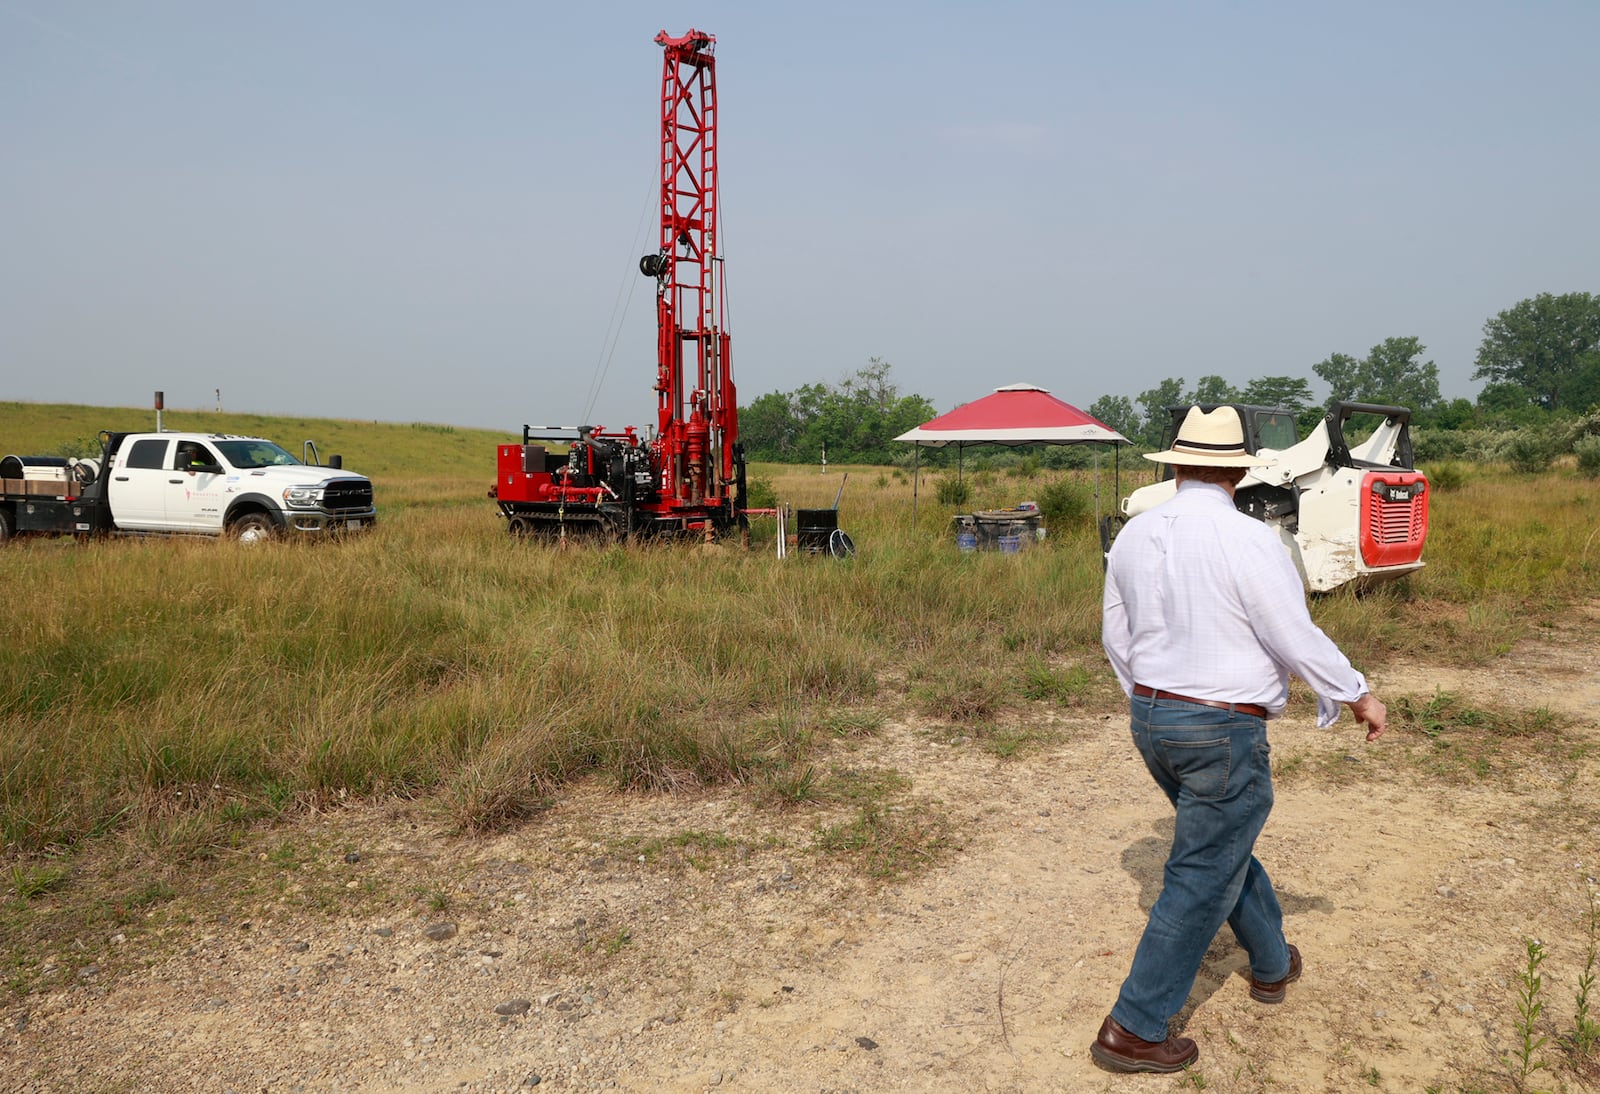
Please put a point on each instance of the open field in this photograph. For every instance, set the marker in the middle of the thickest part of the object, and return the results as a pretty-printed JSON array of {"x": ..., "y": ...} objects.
[{"x": 721, "y": 818}]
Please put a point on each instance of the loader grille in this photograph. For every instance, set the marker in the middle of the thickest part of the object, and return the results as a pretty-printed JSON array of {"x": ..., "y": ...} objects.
[{"x": 1394, "y": 517}]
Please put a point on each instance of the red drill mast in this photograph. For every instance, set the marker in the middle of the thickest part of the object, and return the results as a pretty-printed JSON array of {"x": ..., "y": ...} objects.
[
  {"x": 690, "y": 475},
  {"x": 697, "y": 412}
]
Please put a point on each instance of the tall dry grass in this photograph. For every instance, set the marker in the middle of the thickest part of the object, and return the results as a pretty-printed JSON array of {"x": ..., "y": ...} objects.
[{"x": 148, "y": 683}]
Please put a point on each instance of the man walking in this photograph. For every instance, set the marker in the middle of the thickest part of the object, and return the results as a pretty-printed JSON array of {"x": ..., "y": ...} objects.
[{"x": 1204, "y": 620}]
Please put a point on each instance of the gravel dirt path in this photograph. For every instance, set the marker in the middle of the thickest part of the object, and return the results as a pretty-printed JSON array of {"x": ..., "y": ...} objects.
[{"x": 691, "y": 942}]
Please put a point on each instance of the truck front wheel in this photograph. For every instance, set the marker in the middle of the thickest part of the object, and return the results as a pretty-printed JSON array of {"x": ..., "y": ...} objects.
[
  {"x": 253, "y": 528},
  {"x": 8, "y": 525}
]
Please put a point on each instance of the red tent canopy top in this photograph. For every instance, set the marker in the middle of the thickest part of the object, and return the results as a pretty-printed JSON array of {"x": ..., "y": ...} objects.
[{"x": 1014, "y": 415}]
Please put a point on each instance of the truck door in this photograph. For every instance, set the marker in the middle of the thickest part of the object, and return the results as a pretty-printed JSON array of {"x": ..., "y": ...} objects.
[
  {"x": 137, "y": 491},
  {"x": 194, "y": 490}
]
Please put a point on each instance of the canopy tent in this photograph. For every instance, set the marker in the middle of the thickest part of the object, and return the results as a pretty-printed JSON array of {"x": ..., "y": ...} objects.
[{"x": 1017, "y": 414}]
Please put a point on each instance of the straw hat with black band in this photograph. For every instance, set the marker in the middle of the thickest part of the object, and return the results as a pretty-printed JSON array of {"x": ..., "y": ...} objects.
[{"x": 1212, "y": 438}]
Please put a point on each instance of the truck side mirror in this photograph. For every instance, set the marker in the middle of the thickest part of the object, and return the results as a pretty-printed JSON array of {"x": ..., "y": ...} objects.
[{"x": 336, "y": 462}]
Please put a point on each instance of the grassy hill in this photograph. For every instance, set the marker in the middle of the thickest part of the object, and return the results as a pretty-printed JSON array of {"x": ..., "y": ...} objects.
[{"x": 383, "y": 451}]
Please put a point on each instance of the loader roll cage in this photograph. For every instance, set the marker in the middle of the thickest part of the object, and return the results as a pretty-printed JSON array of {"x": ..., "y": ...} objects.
[{"x": 1277, "y": 428}]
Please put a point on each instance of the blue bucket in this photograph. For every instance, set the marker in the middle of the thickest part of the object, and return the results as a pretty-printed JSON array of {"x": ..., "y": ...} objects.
[
  {"x": 1010, "y": 545},
  {"x": 967, "y": 541}
]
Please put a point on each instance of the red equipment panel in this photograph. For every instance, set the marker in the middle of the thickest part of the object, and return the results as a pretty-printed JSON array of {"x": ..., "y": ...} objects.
[{"x": 1394, "y": 517}]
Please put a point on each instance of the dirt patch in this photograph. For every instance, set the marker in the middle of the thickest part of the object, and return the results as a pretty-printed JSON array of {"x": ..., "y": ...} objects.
[{"x": 692, "y": 943}]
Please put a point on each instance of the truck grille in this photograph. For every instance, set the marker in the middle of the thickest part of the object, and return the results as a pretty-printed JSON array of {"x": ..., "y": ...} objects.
[{"x": 347, "y": 494}]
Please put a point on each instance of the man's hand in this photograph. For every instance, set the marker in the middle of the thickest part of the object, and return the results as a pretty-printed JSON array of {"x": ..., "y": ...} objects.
[{"x": 1371, "y": 712}]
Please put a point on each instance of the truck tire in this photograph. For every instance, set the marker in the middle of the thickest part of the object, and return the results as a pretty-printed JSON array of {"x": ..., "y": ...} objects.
[
  {"x": 253, "y": 528},
  {"x": 8, "y": 525}
]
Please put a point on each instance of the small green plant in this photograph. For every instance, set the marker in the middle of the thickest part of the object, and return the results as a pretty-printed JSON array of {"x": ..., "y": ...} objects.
[
  {"x": 1004, "y": 742},
  {"x": 960, "y": 698},
  {"x": 1063, "y": 686},
  {"x": 1446, "y": 477},
  {"x": 28, "y": 882},
  {"x": 953, "y": 491},
  {"x": 613, "y": 943},
  {"x": 1585, "y": 1032},
  {"x": 1438, "y": 715},
  {"x": 792, "y": 785},
  {"x": 1527, "y": 1057},
  {"x": 894, "y": 842},
  {"x": 851, "y": 723},
  {"x": 759, "y": 493}
]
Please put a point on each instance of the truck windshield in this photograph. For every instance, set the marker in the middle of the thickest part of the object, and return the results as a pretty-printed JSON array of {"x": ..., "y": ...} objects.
[{"x": 250, "y": 454}]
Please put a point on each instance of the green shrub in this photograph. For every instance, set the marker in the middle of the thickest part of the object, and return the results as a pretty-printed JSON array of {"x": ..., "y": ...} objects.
[
  {"x": 954, "y": 491},
  {"x": 1587, "y": 450},
  {"x": 1445, "y": 477},
  {"x": 1430, "y": 445},
  {"x": 1529, "y": 451},
  {"x": 1064, "y": 502},
  {"x": 1025, "y": 468},
  {"x": 759, "y": 493}
]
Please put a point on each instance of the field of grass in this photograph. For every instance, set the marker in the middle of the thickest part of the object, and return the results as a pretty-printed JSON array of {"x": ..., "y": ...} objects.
[{"x": 181, "y": 690}]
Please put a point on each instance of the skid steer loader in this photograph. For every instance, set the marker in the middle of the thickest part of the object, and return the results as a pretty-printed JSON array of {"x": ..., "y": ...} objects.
[{"x": 1349, "y": 514}]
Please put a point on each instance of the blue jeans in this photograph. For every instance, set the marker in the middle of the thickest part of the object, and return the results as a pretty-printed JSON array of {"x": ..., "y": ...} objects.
[{"x": 1214, "y": 765}]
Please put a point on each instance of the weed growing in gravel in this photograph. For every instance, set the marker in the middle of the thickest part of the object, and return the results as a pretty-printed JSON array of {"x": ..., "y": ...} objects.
[
  {"x": 28, "y": 882},
  {"x": 892, "y": 843},
  {"x": 1585, "y": 1032},
  {"x": 609, "y": 944},
  {"x": 851, "y": 723},
  {"x": 1064, "y": 686},
  {"x": 1526, "y": 1058},
  {"x": 1466, "y": 741},
  {"x": 695, "y": 845},
  {"x": 788, "y": 784}
]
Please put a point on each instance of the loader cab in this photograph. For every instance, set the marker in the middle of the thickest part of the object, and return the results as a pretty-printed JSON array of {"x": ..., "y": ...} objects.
[{"x": 1265, "y": 427}]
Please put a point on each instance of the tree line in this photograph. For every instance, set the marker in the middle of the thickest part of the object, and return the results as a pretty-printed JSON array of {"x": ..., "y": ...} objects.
[{"x": 1540, "y": 361}]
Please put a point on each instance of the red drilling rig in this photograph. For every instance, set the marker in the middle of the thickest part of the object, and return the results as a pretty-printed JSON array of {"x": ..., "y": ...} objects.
[{"x": 688, "y": 476}]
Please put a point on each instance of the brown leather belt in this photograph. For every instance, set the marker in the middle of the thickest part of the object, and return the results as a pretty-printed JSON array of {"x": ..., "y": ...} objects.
[{"x": 1255, "y": 710}]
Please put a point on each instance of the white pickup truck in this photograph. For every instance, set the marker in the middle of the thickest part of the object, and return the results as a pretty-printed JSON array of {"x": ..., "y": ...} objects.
[{"x": 183, "y": 483}]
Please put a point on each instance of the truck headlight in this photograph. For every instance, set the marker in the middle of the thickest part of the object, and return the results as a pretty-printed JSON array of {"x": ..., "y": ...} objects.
[{"x": 302, "y": 497}]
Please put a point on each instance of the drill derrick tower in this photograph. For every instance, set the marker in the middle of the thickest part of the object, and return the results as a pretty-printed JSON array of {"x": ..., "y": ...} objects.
[{"x": 689, "y": 475}]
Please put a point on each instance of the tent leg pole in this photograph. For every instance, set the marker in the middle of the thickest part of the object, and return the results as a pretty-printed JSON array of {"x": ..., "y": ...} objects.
[
  {"x": 1097, "y": 488},
  {"x": 916, "y": 469}
]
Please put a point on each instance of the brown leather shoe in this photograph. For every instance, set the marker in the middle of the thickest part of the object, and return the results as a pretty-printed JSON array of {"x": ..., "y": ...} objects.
[
  {"x": 1120, "y": 1050},
  {"x": 1275, "y": 991}
]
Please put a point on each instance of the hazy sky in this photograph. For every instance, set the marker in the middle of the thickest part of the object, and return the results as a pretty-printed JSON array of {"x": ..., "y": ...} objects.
[{"x": 433, "y": 211}]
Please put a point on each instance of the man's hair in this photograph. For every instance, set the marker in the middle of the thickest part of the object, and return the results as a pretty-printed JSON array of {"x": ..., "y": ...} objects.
[{"x": 1218, "y": 476}]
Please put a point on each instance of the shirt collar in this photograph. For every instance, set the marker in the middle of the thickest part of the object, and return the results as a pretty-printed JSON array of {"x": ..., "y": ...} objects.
[{"x": 1191, "y": 484}]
